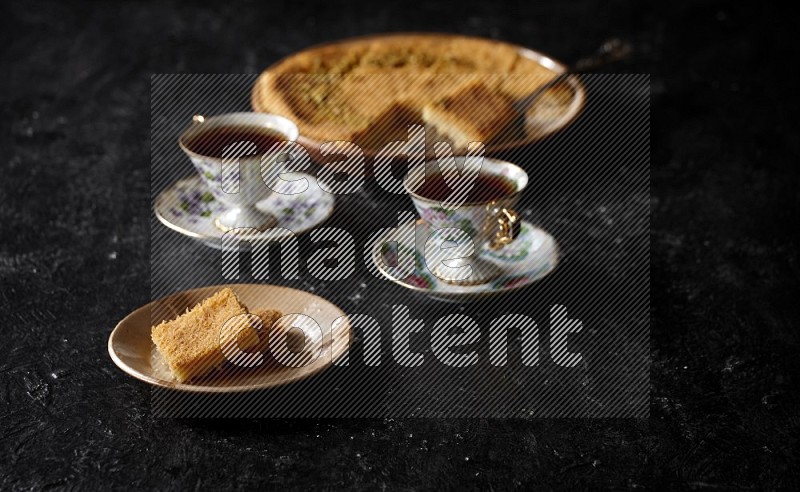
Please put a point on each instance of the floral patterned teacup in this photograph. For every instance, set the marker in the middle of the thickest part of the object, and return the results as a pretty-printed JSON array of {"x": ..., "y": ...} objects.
[
  {"x": 237, "y": 181},
  {"x": 489, "y": 224}
]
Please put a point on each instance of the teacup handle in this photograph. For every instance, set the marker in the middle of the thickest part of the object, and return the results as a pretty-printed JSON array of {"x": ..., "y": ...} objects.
[{"x": 509, "y": 226}]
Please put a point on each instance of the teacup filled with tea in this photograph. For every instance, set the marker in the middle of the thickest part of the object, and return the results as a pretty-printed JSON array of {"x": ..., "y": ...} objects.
[
  {"x": 227, "y": 151},
  {"x": 461, "y": 205}
]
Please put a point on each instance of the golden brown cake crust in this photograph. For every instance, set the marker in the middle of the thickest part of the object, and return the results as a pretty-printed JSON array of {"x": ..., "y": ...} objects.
[
  {"x": 337, "y": 91},
  {"x": 268, "y": 317},
  {"x": 473, "y": 114},
  {"x": 191, "y": 343}
]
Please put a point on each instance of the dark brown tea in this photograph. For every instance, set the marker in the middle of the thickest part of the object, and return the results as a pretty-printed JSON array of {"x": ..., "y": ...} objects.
[
  {"x": 213, "y": 142},
  {"x": 486, "y": 188}
]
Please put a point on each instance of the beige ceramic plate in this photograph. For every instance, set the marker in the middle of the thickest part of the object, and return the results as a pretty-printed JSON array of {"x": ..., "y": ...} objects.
[{"x": 133, "y": 351}]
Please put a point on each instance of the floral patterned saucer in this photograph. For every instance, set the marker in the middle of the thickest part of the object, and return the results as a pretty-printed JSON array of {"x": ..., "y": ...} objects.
[
  {"x": 531, "y": 257},
  {"x": 189, "y": 208}
]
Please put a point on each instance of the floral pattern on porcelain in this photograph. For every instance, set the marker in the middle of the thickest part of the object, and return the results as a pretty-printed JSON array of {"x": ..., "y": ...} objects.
[
  {"x": 189, "y": 207},
  {"x": 534, "y": 257},
  {"x": 518, "y": 249},
  {"x": 421, "y": 278},
  {"x": 211, "y": 172}
]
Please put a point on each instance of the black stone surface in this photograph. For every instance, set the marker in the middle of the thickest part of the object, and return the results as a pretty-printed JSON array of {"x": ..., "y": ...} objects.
[{"x": 74, "y": 256}]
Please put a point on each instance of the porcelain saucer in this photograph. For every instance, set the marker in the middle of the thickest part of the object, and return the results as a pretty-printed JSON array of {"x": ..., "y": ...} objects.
[
  {"x": 189, "y": 208},
  {"x": 531, "y": 257}
]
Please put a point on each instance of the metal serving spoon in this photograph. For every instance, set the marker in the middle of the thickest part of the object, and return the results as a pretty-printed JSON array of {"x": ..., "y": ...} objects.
[{"x": 611, "y": 51}]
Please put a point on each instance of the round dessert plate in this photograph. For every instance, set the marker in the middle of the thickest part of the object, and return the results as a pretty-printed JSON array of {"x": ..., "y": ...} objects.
[
  {"x": 531, "y": 257},
  {"x": 189, "y": 208},
  {"x": 133, "y": 351}
]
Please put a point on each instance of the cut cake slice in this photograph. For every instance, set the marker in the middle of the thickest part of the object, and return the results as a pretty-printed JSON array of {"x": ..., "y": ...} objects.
[
  {"x": 474, "y": 114},
  {"x": 191, "y": 343},
  {"x": 268, "y": 318}
]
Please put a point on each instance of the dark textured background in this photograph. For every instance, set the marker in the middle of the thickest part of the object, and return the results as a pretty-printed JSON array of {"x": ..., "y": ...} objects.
[{"x": 74, "y": 231}]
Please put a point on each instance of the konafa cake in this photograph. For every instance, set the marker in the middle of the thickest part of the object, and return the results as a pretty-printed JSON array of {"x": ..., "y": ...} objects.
[
  {"x": 268, "y": 318},
  {"x": 192, "y": 343},
  {"x": 350, "y": 89},
  {"x": 475, "y": 114}
]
